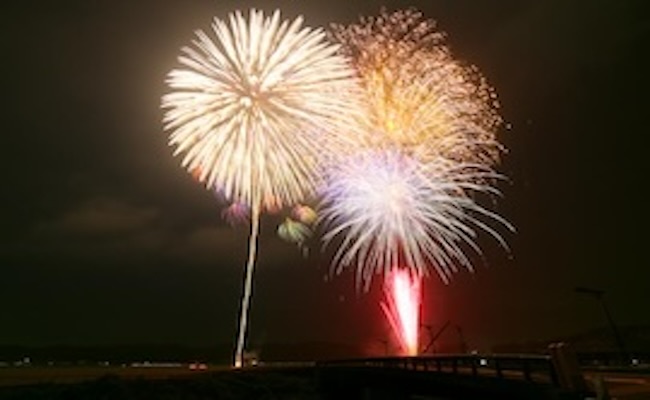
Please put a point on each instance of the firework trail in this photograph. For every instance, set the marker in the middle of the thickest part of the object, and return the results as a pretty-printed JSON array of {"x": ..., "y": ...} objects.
[
  {"x": 402, "y": 308},
  {"x": 247, "y": 111}
]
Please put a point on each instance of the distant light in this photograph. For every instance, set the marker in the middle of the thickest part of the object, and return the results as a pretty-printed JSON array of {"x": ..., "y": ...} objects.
[
  {"x": 635, "y": 361},
  {"x": 483, "y": 362},
  {"x": 198, "y": 366}
]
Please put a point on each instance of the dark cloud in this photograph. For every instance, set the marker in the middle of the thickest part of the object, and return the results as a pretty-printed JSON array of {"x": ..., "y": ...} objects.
[
  {"x": 100, "y": 217},
  {"x": 118, "y": 232}
]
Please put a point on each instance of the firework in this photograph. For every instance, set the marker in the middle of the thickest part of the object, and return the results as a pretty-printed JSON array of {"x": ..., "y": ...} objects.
[
  {"x": 297, "y": 227},
  {"x": 402, "y": 308},
  {"x": 418, "y": 96},
  {"x": 404, "y": 201},
  {"x": 391, "y": 210},
  {"x": 405, "y": 195},
  {"x": 248, "y": 110}
]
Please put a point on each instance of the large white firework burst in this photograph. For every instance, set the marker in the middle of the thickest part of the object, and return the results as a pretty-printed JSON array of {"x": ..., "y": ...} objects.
[
  {"x": 389, "y": 210},
  {"x": 250, "y": 111},
  {"x": 247, "y": 109}
]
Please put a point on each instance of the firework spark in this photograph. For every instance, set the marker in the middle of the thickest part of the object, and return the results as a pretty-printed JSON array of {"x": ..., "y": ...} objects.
[
  {"x": 402, "y": 309},
  {"x": 247, "y": 112}
]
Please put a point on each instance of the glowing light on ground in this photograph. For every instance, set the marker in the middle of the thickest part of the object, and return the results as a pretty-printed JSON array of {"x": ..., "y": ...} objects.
[{"x": 402, "y": 309}]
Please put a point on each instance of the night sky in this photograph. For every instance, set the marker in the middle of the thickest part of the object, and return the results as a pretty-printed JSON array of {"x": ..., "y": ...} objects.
[{"x": 106, "y": 240}]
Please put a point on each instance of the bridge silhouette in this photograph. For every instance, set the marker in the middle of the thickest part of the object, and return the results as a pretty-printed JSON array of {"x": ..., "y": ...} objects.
[{"x": 456, "y": 376}]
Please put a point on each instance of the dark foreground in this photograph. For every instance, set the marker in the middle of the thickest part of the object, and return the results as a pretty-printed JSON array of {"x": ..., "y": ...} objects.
[
  {"x": 244, "y": 384},
  {"x": 283, "y": 383}
]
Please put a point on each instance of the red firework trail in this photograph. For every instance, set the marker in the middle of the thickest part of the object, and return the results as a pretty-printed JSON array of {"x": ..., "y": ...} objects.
[{"x": 402, "y": 308}]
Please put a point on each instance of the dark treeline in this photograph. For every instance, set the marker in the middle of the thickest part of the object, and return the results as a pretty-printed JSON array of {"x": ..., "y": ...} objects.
[
  {"x": 221, "y": 354},
  {"x": 114, "y": 353},
  {"x": 634, "y": 339},
  {"x": 298, "y": 384}
]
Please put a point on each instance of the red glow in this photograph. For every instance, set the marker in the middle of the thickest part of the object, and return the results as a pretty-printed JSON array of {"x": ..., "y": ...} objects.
[{"x": 402, "y": 308}]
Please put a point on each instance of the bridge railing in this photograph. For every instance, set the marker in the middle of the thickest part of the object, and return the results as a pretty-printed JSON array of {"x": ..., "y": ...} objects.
[{"x": 532, "y": 368}]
